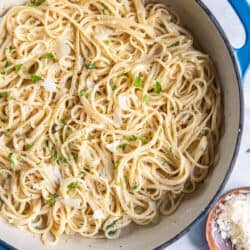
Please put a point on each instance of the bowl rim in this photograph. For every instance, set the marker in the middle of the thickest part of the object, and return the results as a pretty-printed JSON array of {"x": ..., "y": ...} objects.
[
  {"x": 212, "y": 213},
  {"x": 239, "y": 82},
  {"x": 238, "y": 141}
]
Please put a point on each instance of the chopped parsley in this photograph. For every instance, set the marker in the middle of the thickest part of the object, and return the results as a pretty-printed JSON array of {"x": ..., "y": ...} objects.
[
  {"x": 112, "y": 85},
  {"x": 162, "y": 25},
  {"x": 75, "y": 156},
  {"x": 10, "y": 48},
  {"x": 248, "y": 150},
  {"x": 18, "y": 67},
  {"x": 111, "y": 225},
  {"x": 36, "y": 3},
  {"x": 35, "y": 78},
  {"x": 106, "y": 41},
  {"x": 138, "y": 82},
  {"x": 3, "y": 72},
  {"x": 157, "y": 88},
  {"x": 90, "y": 66},
  {"x": 12, "y": 163},
  {"x": 84, "y": 93},
  {"x": 143, "y": 139},
  {"x": 59, "y": 158},
  {"x": 1, "y": 204},
  {"x": 135, "y": 186},
  {"x": 7, "y": 65},
  {"x": 49, "y": 56},
  {"x": 172, "y": 45},
  {"x": 123, "y": 146},
  {"x": 52, "y": 199},
  {"x": 73, "y": 186},
  {"x": 132, "y": 138},
  {"x": 169, "y": 152},
  {"x": 28, "y": 146},
  {"x": 146, "y": 98},
  {"x": 64, "y": 123},
  {"x": 3, "y": 95},
  {"x": 121, "y": 74},
  {"x": 116, "y": 164}
]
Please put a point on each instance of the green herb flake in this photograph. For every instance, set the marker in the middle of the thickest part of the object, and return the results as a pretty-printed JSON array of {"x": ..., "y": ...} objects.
[
  {"x": 84, "y": 93},
  {"x": 90, "y": 66},
  {"x": 35, "y": 3},
  {"x": 143, "y": 139},
  {"x": 1, "y": 204},
  {"x": 52, "y": 199},
  {"x": 49, "y": 56},
  {"x": 169, "y": 152},
  {"x": 35, "y": 78},
  {"x": 75, "y": 156},
  {"x": 28, "y": 146},
  {"x": 7, "y": 65},
  {"x": 157, "y": 88},
  {"x": 248, "y": 150},
  {"x": 18, "y": 67},
  {"x": 10, "y": 48},
  {"x": 121, "y": 74},
  {"x": 112, "y": 85},
  {"x": 64, "y": 123},
  {"x": 59, "y": 158},
  {"x": 12, "y": 163},
  {"x": 106, "y": 41},
  {"x": 132, "y": 138},
  {"x": 3, "y": 95},
  {"x": 146, "y": 98},
  {"x": 123, "y": 146},
  {"x": 137, "y": 82},
  {"x": 73, "y": 186},
  {"x": 162, "y": 25},
  {"x": 116, "y": 164},
  {"x": 3, "y": 72},
  {"x": 111, "y": 225},
  {"x": 173, "y": 45}
]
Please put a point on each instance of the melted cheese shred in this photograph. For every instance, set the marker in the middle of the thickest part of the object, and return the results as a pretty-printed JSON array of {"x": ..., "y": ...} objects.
[{"x": 108, "y": 116}]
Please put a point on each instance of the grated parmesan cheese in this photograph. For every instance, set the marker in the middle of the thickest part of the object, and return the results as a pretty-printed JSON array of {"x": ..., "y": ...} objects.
[
  {"x": 49, "y": 85},
  {"x": 234, "y": 220},
  {"x": 98, "y": 214}
]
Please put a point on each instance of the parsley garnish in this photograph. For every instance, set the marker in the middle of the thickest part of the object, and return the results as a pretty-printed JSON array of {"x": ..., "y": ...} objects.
[
  {"x": 162, "y": 25},
  {"x": 49, "y": 56},
  {"x": 58, "y": 157},
  {"x": 10, "y": 48},
  {"x": 248, "y": 150},
  {"x": 84, "y": 93},
  {"x": 138, "y": 82},
  {"x": 73, "y": 186},
  {"x": 132, "y": 138},
  {"x": 36, "y": 3},
  {"x": 1, "y": 204},
  {"x": 3, "y": 94},
  {"x": 112, "y": 85},
  {"x": 172, "y": 45},
  {"x": 123, "y": 146},
  {"x": 35, "y": 78},
  {"x": 116, "y": 164},
  {"x": 111, "y": 225},
  {"x": 169, "y": 152},
  {"x": 158, "y": 88},
  {"x": 90, "y": 66},
  {"x": 10, "y": 157},
  {"x": 106, "y": 41},
  {"x": 52, "y": 199},
  {"x": 18, "y": 67},
  {"x": 146, "y": 98},
  {"x": 121, "y": 74},
  {"x": 28, "y": 146},
  {"x": 7, "y": 64}
]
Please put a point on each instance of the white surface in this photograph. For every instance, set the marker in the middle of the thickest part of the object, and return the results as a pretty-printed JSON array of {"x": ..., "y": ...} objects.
[{"x": 195, "y": 239}]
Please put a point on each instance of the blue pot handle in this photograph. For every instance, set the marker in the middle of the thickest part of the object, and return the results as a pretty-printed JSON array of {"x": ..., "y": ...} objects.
[{"x": 242, "y": 8}]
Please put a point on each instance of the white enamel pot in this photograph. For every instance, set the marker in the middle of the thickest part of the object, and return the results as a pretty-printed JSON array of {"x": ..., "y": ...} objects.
[{"x": 210, "y": 37}]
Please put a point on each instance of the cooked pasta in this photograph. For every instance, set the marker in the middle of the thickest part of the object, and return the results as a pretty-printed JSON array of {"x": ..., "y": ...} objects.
[{"x": 108, "y": 116}]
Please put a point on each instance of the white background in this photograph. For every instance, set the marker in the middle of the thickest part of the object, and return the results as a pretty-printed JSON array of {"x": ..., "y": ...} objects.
[{"x": 195, "y": 239}]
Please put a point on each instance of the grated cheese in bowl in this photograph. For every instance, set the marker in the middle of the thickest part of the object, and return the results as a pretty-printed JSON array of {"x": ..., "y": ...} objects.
[{"x": 234, "y": 220}]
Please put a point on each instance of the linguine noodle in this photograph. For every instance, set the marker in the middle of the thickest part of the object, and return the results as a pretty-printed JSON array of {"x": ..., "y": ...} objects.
[{"x": 108, "y": 116}]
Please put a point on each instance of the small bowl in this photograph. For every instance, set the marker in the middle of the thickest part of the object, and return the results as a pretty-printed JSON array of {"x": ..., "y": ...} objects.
[{"x": 214, "y": 239}]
